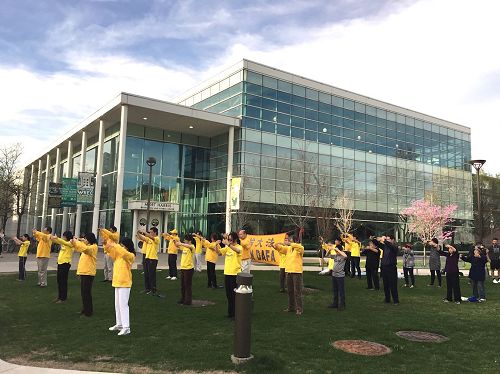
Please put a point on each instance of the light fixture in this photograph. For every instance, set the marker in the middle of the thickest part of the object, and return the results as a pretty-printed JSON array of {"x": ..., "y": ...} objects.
[
  {"x": 324, "y": 129},
  {"x": 145, "y": 118},
  {"x": 359, "y": 137}
]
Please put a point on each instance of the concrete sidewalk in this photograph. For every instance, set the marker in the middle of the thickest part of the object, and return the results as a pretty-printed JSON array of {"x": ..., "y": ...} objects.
[{"x": 6, "y": 368}]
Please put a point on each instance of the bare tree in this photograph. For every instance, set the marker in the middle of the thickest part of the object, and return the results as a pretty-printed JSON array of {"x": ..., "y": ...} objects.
[
  {"x": 344, "y": 213},
  {"x": 9, "y": 158},
  {"x": 23, "y": 187}
]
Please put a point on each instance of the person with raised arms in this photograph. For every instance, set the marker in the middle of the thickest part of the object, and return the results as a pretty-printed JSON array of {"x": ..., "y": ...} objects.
[
  {"x": 24, "y": 243},
  {"x": 373, "y": 255},
  {"x": 187, "y": 269},
  {"x": 326, "y": 248},
  {"x": 232, "y": 266},
  {"x": 245, "y": 243},
  {"x": 389, "y": 269},
  {"x": 63, "y": 264},
  {"x": 43, "y": 253},
  {"x": 172, "y": 237},
  {"x": 151, "y": 243},
  {"x": 123, "y": 255},
  {"x": 355, "y": 255},
  {"x": 86, "y": 269},
  {"x": 211, "y": 248},
  {"x": 293, "y": 268},
  {"x": 452, "y": 274},
  {"x": 110, "y": 235},
  {"x": 338, "y": 277},
  {"x": 198, "y": 253}
]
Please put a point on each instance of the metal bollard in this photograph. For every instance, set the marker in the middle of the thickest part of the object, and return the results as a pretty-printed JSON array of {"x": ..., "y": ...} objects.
[{"x": 243, "y": 321}]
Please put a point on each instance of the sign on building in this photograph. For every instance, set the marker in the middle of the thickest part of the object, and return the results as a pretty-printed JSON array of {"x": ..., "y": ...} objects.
[
  {"x": 235, "y": 193},
  {"x": 68, "y": 192},
  {"x": 154, "y": 205},
  {"x": 85, "y": 188},
  {"x": 54, "y": 198}
]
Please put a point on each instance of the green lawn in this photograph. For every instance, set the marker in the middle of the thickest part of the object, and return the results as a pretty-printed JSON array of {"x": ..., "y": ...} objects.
[{"x": 166, "y": 336}]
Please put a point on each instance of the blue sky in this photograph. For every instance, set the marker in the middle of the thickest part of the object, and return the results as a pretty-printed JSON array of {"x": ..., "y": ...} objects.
[{"x": 61, "y": 60}]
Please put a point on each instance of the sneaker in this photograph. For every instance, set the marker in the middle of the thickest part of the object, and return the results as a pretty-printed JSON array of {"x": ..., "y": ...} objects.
[
  {"x": 124, "y": 331},
  {"x": 115, "y": 328},
  {"x": 173, "y": 278},
  {"x": 457, "y": 302},
  {"x": 298, "y": 312},
  {"x": 405, "y": 285},
  {"x": 482, "y": 300},
  {"x": 168, "y": 277},
  {"x": 495, "y": 281},
  {"x": 446, "y": 300},
  {"x": 412, "y": 286}
]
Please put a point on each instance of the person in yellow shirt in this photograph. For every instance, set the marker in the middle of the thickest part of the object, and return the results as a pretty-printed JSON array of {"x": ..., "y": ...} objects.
[
  {"x": 211, "y": 253},
  {"x": 112, "y": 235},
  {"x": 355, "y": 246},
  {"x": 63, "y": 264},
  {"x": 198, "y": 252},
  {"x": 123, "y": 255},
  {"x": 24, "y": 242},
  {"x": 347, "y": 249},
  {"x": 326, "y": 248},
  {"x": 151, "y": 243},
  {"x": 246, "y": 261},
  {"x": 172, "y": 251},
  {"x": 282, "y": 265},
  {"x": 86, "y": 269},
  {"x": 232, "y": 266},
  {"x": 293, "y": 268},
  {"x": 187, "y": 269},
  {"x": 43, "y": 253}
]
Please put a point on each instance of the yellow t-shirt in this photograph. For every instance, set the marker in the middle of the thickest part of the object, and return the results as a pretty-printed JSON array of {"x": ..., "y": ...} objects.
[
  {"x": 150, "y": 247},
  {"x": 199, "y": 246},
  {"x": 108, "y": 235},
  {"x": 294, "y": 253},
  {"x": 66, "y": 251},
  {"x": 211, "y": 254},
  {"x": 232, "y": 262},
  {"x": 44, "y": 243},
  {"x": 245, "y": 244},
  {"x": 355, "y": 249},
  {"x": 122, "y": 267},
  {"x": 88, "y": 258},
  {"x": 282, "y": 260},
  {"x": 187, "y": 258},
  {"x": 172, "y": 248},
  {"x": 23, "y": 249}
]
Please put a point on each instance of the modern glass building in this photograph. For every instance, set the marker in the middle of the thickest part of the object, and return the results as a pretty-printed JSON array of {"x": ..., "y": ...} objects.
[{"x": 288, "y": 138}]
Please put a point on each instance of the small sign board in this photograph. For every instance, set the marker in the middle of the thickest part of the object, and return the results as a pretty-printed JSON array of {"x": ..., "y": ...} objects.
[
  {"x": 54, "y": 198},
  {"x": 68, "y": 192},
  {"x": 85, "y": 188},
  {"x": 154, "y": 205}
]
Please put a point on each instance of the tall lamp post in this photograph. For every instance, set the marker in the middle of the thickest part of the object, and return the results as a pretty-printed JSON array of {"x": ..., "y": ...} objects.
[
  {"x": 478, "y": 164},
  {"x": 151, "y": 161}
]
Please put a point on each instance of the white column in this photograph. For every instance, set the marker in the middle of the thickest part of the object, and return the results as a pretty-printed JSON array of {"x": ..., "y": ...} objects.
[
  {"x": 120, "y": 173},
  {"x": 37, "y": 196},
  {"x": 134, "y": 227},
  {"x": 230, "y": 151},
  {"x": 31, "y": 184},
  {"x": 79, "y": 207},
  {"x": 64, "y": 224},
  {"x": 98, "y": 179},
  {"x": 46, "y": 192},
  {"x": 57, "y": 179}
]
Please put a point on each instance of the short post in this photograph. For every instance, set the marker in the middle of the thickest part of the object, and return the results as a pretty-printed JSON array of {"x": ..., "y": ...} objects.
[{"x": 243, "y": 321}]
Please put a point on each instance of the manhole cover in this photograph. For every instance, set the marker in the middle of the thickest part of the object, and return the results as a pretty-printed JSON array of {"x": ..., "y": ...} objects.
[
  {"x": 422, "y": 336},
  {"x": 201, "y": 303},
  {"x": 362, "y": 347}
]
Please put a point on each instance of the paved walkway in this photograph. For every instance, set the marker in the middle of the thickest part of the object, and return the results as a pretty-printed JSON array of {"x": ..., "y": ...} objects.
[{"x": 6, "y": 368}]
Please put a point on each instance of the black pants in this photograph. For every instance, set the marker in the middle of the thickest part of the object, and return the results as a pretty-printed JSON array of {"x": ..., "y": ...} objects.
[
  {"x": 282, "y": 279},
  {"x": 230, "y": 284},
  {"x": 390, "y": 278},
  {"x": 86, "y": 289},
  {"x": 355, "y": 266},
  {"x": 433, "y": 276},
  {"x": 212, "y": 279},
  {"x": 62, "y": 280},
  {"x": 22, "y": 268},
  {"x": 150, "y": 274},
  {"x": 347, "y": 266},
  {"x": 172, "y": 265},
  {"x": 453, "y": 287},
  {"x": 408, "y": 273},
  {"x": 338, "y": 291},
  {"x": 372, "y": 278},
  {"x": 186, "y": 286}
]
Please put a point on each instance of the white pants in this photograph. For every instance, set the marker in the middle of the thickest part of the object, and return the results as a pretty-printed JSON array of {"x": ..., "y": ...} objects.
[
  {"x": 245, "y": 265},
  {"x": 108, "y": 267},
  {"x": 198, "y": 258},
  {"x": 122, "y": 295}
]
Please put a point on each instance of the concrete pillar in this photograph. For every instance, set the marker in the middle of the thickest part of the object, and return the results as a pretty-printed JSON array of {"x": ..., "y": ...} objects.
[
  {"x": 64, "y": 224},
  {"x": 46, "y": 192},
  {"x": 230, "y": 152},
  {"x": 37, "y": 196},
  {"x": 79, "y": 207},
  {"x": 98, "y": 179},
  {"x": 57, "y": 179},
  {"x": 31, "y": 186},
  {"x": 121, "y": 167},
  {"x": 134, "y": 227}
]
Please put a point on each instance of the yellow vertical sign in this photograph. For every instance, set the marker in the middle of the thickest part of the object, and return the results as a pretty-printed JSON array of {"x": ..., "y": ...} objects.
[{"x": 235, "y": 193}]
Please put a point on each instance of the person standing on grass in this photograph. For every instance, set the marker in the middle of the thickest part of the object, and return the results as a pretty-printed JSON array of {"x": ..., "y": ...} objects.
[
  {"x": 293, "y": 268},
  {"x": 327, "y": 249},
  {"x": 232, "y": 266},
  {"x": 211, "y": 248},
  {"x": 198, "y": 252},
  {"x": 389, "y": 269},
  {"x": 282, "y": 265},
  {"x": 347, "y": 250},
  {"x": 452, "y": 274},
  {"x": 477, "y": 273},
  {"x": 355, "y": 256},
  {"x": 494, "y": 258},
  {"x": 123, "y": 255},
  {"x": 43, "y": 253},
  {"x": 246, "y": 261},
  {"x": 372, "y": 253},
  {"x": 151, "y": 243},
  {"x": 86, "y": 269},
  {"x": 110, "y": 235},
  {"x": 434, "y": 261},
  {"x": 24, "y": 242},
  {"x": 172, "y": 237},
  {"x": 338, "y": 277},
  {"x": 187, "y": 269},
  {"x": 63, "y": 264},
  {"x": 408, "y": 265}
]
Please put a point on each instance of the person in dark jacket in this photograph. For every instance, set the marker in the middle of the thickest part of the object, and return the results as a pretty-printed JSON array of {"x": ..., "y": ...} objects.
[
  {"x": 388, "y": 268},
  {"x": 434, "y": 260},
  {"x": 372, "y": 253},
  {"x": 477, "y": 274},
  {"x": 452, "y": 274}
]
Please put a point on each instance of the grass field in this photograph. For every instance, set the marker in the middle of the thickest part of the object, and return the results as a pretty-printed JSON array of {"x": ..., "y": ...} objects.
[{"x": 169, "y": 337}]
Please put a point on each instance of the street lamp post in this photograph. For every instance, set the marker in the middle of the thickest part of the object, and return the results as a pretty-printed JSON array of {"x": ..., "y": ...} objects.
[
  {"x": 478, "y": 164},
  {"x": 151, "y": 161}
]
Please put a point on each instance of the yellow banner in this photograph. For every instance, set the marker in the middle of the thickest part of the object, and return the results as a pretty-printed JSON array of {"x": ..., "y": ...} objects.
[
  {"x": 235, "y": 193},
  {"x": 261, "y": 252}
]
